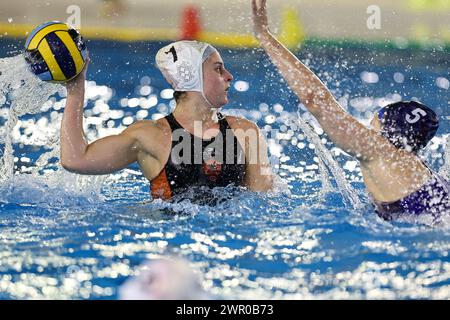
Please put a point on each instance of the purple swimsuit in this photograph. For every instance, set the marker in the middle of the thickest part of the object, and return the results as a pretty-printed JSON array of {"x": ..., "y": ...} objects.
[{"x": 432, "y": 198}]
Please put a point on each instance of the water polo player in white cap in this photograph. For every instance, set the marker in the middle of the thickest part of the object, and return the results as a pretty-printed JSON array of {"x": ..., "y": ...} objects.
[{"x": 194, "y": 146}]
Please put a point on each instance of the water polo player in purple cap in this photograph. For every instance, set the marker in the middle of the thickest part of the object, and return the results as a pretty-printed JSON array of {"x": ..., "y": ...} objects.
[
  {"x": 396, "y": 178},
  {"x": 196, "y": 145}
]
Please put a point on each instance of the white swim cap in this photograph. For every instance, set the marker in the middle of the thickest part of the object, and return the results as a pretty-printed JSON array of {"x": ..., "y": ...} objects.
[{"x": 181, "y": 64}]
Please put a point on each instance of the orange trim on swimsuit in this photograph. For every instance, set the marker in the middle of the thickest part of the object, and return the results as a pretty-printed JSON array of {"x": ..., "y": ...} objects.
[{"x": 160, "y": 187}]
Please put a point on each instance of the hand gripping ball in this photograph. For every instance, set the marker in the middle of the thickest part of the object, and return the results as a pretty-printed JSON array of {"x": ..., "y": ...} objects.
[{"x": 55, "y": 52}]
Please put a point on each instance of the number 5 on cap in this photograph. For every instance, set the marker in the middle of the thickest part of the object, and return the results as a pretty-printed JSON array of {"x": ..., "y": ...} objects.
[{"x": 416, "y": 113}]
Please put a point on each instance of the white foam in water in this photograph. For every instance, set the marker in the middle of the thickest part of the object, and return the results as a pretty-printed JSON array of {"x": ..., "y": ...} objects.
[
  {"x": 445, "y": 169},
  {"x": 54, "y": 189}
]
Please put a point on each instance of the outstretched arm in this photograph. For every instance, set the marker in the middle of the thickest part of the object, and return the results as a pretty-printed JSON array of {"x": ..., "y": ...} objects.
[
  {"x": 346, "y": 132},
  {"x": 103, "y": 156}
]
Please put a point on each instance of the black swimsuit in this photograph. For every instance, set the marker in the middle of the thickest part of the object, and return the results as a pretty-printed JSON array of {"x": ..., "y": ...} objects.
[{"x": 219, "y": 165}]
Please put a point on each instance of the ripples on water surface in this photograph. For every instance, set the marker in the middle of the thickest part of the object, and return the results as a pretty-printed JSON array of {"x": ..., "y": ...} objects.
[{"x": 63, "y": 236}]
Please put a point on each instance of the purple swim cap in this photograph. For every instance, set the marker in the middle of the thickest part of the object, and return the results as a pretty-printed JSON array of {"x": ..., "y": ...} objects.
[{"x": 408, "y": 125}]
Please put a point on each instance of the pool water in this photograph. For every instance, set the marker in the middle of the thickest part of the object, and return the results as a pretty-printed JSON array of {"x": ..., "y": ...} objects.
[{"x": 64, "y": 236}]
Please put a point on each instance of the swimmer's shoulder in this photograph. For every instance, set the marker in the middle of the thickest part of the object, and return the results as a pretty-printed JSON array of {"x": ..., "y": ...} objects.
[
  {"x": 146, "y": 127},
  {"x": 152, "y": 137},
  {"x": 155, "y": 132},
  {"x": 241, "y": 123}
]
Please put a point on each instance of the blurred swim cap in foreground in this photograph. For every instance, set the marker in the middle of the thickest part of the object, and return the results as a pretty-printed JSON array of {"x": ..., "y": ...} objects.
[{"x": 164, "y": 279}]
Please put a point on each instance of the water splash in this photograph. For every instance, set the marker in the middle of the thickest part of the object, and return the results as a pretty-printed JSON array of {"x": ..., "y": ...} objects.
[
  {"x": 51, "y": 190},
  {"x": 326, "y": 162},
  {"x": 26, "y": 94},
  {"x": 445, "y": 169}
]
